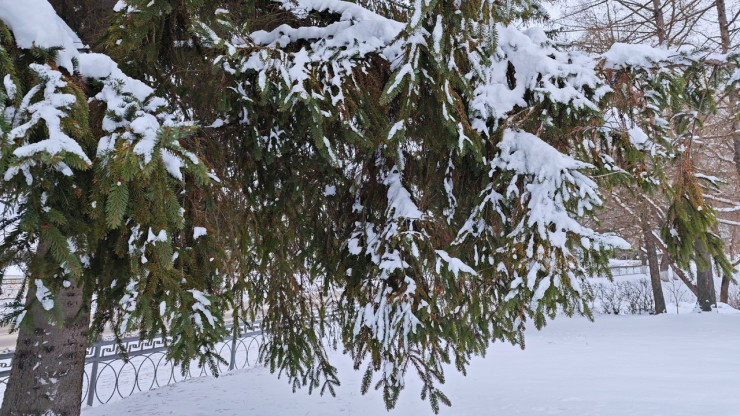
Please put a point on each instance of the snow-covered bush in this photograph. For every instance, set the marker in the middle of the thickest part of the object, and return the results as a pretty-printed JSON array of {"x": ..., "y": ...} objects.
[{"x": 622, "y": 297}]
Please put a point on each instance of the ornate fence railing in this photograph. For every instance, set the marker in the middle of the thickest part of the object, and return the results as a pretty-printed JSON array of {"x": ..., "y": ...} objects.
[
  {"x": 108, "y": 377},
  {"x": 10, "y": 287}
]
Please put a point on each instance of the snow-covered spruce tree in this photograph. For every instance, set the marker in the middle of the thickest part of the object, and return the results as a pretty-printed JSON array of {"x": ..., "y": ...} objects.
[
  {"x": 93, "y": 175},
  {"x": 415, "y": 174}
]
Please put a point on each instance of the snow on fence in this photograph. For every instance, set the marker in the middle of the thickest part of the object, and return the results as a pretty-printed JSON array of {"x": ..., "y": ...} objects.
[
  {"x": 108, "y": 377},
  {"x": 10, "y": 287},
  {"x": 628, "y": 270}
]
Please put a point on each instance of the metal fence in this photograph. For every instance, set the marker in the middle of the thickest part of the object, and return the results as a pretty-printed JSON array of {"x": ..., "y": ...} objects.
[
  {"x": 628, "y": 270},
  {"x": 10, "y": 287},
  {"x": 108, "y": 377}
]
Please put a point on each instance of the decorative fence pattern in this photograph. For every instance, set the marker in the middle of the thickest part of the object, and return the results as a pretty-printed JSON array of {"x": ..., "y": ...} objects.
[
  {"x": 10, "y": 288},
  {"x": 109, "y": 378}
]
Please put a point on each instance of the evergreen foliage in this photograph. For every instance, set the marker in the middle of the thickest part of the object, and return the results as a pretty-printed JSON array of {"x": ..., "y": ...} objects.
[
  {"x": 408, "y": 182},
  {"x": 659, "y": 103},
  {"x": 391, "y": 177},
  {"x": 93, "y": 174}
]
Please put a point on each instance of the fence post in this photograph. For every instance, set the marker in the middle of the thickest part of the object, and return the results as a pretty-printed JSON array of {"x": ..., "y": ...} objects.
[
  {"x": 93, "y": 376},
  {"x": 232, "y": 361}
]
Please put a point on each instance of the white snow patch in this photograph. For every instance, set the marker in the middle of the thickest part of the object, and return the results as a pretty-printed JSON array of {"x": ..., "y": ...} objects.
[
  {"x": 641, "y": 55},
  {"x": 35, "y": 23},
  {"x": 199, "y": 232},
  {"x": 43, "y": 295}
]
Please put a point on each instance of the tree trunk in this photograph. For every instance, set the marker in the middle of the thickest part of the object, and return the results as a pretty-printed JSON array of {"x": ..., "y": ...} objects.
[
  {"x": 724, "y": 290},
  {"x": 49, "y": 361},
  {"x": 664, "y": 265},
  {"x": 724, "y": 28},
  {"x": 652, "y": 257},
  {"x": 665, "y": 262},
  {"x": 736, "y": 140},
  {"x": 659, "y": 22},
  {"x": 724, "y": 33},
  {"x": 676, "y": 270},
  {"x": 706, "y": 296}
]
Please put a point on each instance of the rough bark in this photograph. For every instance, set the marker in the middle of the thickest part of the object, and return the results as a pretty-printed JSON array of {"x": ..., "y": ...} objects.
[
  {"x": 736, "y": 140},
  {"x": 49, "y": 361},
  {"x": 652, "y": 257},
  {"x": 706, "y": 296},
  {"x": 664, "y": 264}
]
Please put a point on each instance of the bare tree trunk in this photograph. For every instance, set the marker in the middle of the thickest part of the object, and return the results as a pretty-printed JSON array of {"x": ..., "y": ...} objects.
[
  {"x": 677, "y": 270},
  {"x": 664, "y": 265},
  {"x": 724, "y": 28},
  {"x": 652, "y": 257},
  {"x": 659, "y": 22},
  {"x": 49, "y": 361},
  {"x": 724, "y": 34},
  {"x": 724, "y": 290},
  {"x": 665, "y": 262},
  {"x": 706, "y": 296}
]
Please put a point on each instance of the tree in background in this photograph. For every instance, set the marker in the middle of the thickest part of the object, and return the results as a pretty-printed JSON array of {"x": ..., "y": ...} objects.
[
  {"x": 728, "y": 29},
  {"x": 698, "y": 79}
]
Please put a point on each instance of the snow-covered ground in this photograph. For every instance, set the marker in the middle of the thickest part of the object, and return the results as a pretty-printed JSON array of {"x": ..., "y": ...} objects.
[{"x": 686, "y": 364}]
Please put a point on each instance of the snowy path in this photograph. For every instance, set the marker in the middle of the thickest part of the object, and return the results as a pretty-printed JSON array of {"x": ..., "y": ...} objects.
[{"x": 620, "y": 365}]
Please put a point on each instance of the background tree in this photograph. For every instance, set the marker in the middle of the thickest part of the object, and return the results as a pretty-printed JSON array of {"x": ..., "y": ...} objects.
[
  {"x": 671, "y": 24},
  {"x": 728, "y": 29}
]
